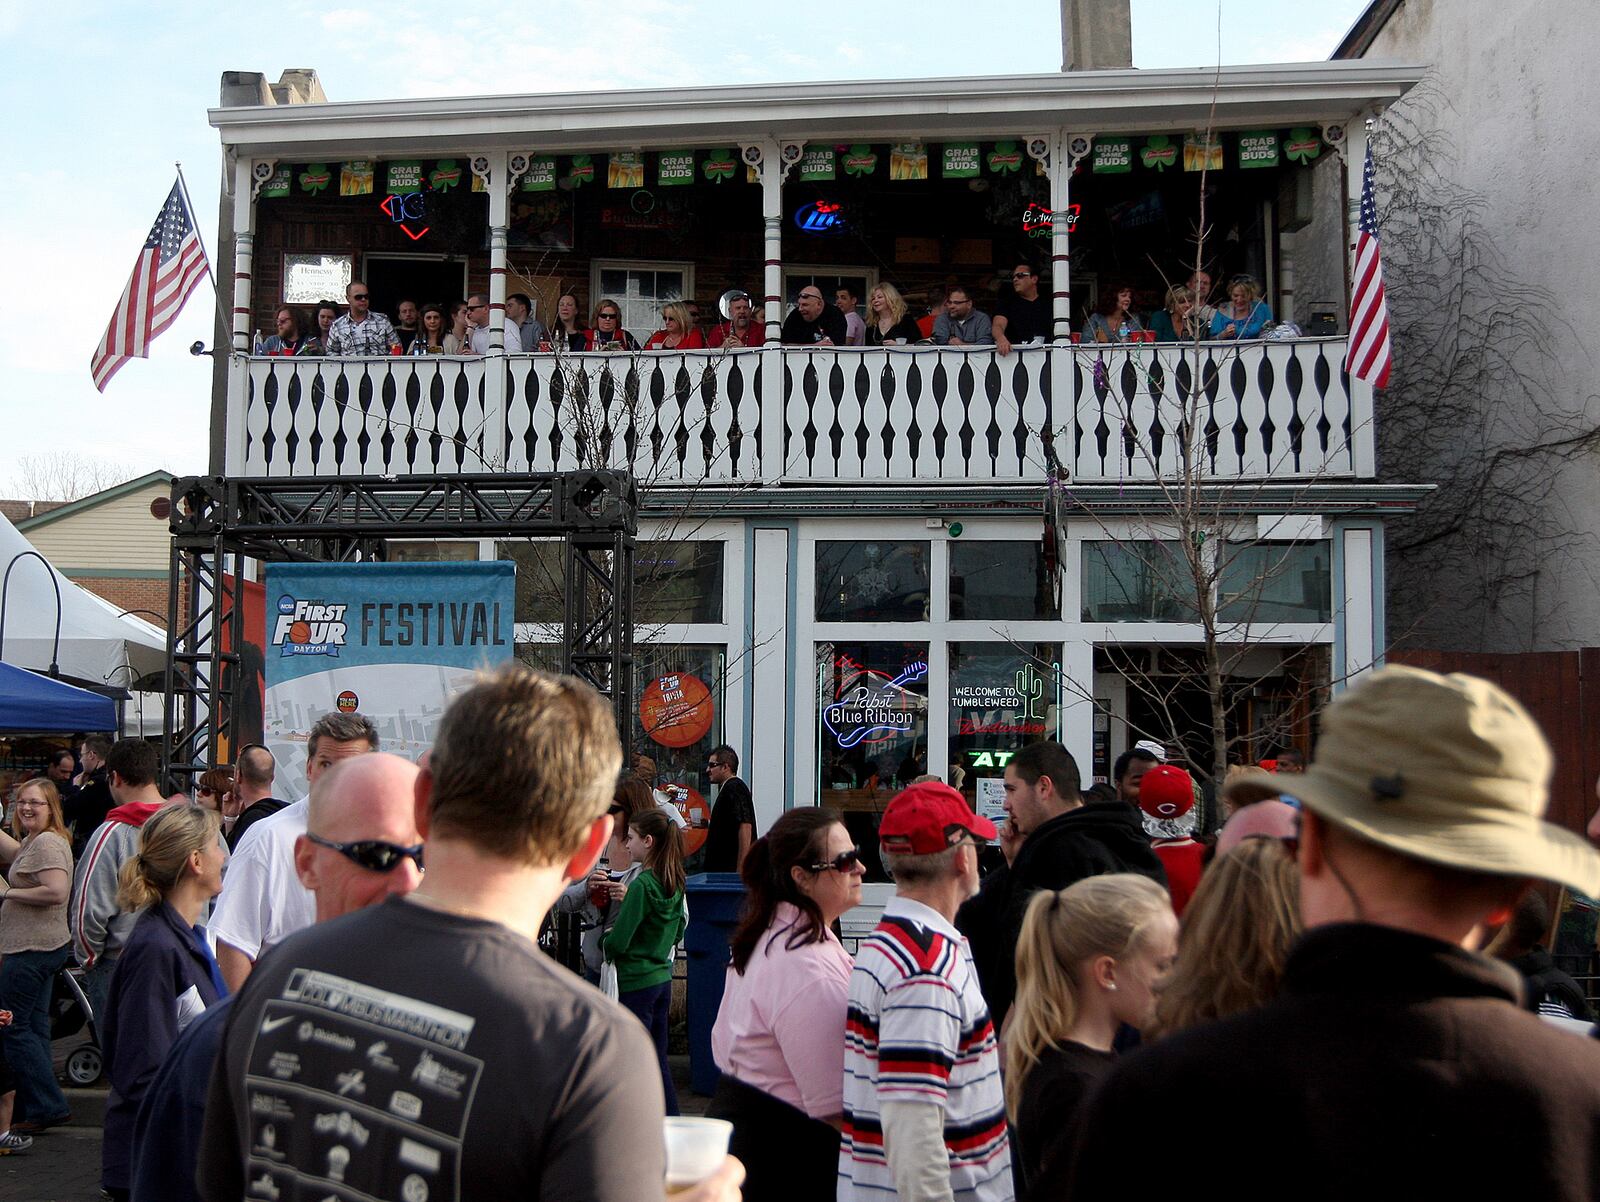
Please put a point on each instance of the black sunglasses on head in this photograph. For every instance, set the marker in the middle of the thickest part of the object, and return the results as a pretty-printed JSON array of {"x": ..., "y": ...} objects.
[
  {"x": 372, "y": 854},
  {"x": 843, "y": 862}
]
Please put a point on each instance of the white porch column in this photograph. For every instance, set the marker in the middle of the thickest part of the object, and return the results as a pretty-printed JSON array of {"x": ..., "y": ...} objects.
[
  {"x": 1060, "y": 166},
  {"x": 1077, "y": 704},
  {"x": 769, "y": 671},
  {"x": 773, "y": 160},
  {"x": 494, "y": 169},
  {"x": 1361, "y": 647},
  {"x": 248, "y": 176}
]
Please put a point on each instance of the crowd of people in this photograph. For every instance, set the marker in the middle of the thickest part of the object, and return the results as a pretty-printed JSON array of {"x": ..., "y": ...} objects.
[
  {"x": 378, "y": 1019},
  {"x": 1023, "y": 316}
]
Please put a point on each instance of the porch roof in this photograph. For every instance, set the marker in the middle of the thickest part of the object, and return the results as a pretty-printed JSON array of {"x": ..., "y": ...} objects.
[{"x": 973, "y": 107}]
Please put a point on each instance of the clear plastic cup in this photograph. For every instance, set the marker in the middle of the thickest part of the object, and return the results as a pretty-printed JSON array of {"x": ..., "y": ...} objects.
[{"x": 696, "y": 1148}]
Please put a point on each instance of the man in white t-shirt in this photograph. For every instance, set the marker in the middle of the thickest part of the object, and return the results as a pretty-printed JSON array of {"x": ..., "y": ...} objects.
[{"x": 262, "y": 900}]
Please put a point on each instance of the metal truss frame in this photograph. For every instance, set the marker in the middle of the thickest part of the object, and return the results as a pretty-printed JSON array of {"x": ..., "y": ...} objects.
[{"x": 217, "y": 519}]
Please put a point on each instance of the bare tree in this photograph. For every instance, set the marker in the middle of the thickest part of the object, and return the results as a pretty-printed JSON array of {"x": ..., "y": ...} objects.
[{"x": 64, "y": 476}]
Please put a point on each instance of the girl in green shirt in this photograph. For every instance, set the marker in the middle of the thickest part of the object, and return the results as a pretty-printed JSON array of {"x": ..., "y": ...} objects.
[{"x": 648, "y": 928}]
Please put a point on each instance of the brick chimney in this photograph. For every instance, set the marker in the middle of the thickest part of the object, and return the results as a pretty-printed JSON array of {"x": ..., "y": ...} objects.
[{"x": 1096, "y": 35}]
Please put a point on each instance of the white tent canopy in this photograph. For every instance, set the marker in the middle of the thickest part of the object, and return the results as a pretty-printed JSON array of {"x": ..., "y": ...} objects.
[{"x": 97, "y": 645}]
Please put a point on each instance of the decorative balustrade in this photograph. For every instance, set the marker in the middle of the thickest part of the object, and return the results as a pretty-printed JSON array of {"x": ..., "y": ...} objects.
[{"x": 1262, "y": 410}]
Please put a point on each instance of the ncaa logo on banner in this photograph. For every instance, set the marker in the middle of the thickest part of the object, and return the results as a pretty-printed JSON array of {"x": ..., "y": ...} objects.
[{"x": 309, "y": 627}]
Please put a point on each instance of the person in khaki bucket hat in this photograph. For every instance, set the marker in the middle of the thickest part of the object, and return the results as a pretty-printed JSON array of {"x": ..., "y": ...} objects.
[
  {"x": 1447, "y": 769},
  {"x": 1395, "y": 1061}
]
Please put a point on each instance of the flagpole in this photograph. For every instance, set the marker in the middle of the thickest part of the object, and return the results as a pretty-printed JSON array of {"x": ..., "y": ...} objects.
[{"x": 216, "y": 296}]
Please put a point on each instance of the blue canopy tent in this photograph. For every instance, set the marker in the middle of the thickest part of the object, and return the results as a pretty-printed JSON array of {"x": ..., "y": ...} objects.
[{"x": 33, "y": 704}]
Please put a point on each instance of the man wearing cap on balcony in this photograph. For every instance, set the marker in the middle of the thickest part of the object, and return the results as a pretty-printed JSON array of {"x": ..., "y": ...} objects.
[
  {"x": 813, "y": 322},
  {"x": 1396, "y": 1061},
  {"x": 361, "y": 332},
  {"x": 924, "y": 1115}
]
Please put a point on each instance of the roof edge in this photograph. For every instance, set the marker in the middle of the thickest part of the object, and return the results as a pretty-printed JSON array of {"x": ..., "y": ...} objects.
[
  {"x": 94, "y": 500},
  {"x": 1365, "y": 31}
]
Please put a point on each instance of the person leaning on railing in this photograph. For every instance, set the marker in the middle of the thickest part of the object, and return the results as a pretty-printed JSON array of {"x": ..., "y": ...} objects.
[
  {"x": 433, "y": 338},
  {"x": 887, "y": 322},
  {"x": 1113, "y": 319},
  {"x": 288, "y": 339},
  {"x": 961, "y": 324},
  {"x": 608, "y": 334},
  {"x": 678, "y": 332},
  {"x": 1178, "y": 322},
  {"x": 1244, "y": 315}
]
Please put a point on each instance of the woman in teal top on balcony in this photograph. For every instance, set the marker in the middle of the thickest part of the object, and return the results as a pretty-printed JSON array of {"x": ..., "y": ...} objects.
[
  {"x": 1244, "y": 314},
  {"x": 1178, "y": 321}
]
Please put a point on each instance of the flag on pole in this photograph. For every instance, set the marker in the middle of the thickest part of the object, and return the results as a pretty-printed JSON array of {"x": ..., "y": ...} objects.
[
  {"x": 169, "y": 266},
  {"x": 1369, "y": 357}
]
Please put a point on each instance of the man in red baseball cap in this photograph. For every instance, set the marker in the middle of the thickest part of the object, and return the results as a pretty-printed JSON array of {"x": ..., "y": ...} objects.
[{"x": 924, "y": 1115}]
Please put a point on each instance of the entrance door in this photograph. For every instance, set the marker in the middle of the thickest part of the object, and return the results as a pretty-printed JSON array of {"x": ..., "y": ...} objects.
[{"x": 425, "y": 280}]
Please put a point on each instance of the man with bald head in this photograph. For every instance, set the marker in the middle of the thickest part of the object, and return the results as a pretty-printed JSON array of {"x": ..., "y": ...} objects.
[{"x": 361, "y": 845}]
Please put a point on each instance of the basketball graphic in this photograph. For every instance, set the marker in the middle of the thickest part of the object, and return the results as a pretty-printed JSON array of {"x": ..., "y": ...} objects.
[{"x": 300, "y": 632}]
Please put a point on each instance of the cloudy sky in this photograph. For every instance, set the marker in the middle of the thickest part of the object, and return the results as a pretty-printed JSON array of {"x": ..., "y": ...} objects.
[{"x": 103, "y": 98}]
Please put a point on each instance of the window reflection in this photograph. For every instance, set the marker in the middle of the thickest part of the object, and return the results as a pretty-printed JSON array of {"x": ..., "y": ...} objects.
[
  {"x": 1276, "y": 582},
  {"x": 872, "y": 582},
  {"x": 999, "y": 581},
  {"x": 1141, "y": 581}
]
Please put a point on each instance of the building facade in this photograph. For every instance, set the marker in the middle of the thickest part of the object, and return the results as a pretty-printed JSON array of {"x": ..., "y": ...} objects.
[{"x": 879, "y": 561}]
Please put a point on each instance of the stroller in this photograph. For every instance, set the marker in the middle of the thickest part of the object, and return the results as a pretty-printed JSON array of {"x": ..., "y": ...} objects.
[{"x": 70, "y": 1013}]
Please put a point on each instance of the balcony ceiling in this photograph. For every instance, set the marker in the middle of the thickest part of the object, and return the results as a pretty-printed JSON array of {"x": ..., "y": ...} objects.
[{"x": 975, "y": 107}]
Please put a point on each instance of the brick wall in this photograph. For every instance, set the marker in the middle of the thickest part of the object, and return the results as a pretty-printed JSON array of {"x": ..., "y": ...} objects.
[{"x": 126, "y": 593}]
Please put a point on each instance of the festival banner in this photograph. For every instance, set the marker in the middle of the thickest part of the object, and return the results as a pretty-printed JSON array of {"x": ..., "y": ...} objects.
[
  {"x": 394, "y": 641},
  {"x": 356, "y": 178},
  {"x": 1258, "y": 148},
  {"x": 818, "y": 164},
  {"x": 908, "y": 161},
  {"x": 1112, "y": 156},
  {"x": 540, "y": 175},
  {"x": 675, "y": 168},
  {"x": 625, "y": 170},
  {"x": 960, "y": 161}
]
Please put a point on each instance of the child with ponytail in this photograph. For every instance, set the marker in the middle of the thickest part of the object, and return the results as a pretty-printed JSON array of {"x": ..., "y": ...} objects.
[
  {"x": 1089, "y": 959},
  {"x": 641, "y": 941},
  {"x": 166, "y": 976}
]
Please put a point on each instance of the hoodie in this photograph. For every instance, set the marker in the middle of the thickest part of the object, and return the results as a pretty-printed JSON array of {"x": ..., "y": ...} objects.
[
  {"x": 98, "y": 926},
  {"x": 1084, "y": 842},
  {"x": 648, "y": 927}
]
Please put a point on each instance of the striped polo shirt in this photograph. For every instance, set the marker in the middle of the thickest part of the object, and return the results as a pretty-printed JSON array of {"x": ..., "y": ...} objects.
[{"x": 917, "y": 1029}]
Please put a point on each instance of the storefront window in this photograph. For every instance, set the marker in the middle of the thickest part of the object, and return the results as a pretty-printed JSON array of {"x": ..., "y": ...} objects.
[
  {"x": 541, "y": 568},
  {"x": 1138, "y": 581},
  {"x": 432, "y": 551},
  {"x": 1000, "y": 581},
  {"x": 872, "y": 732},
  {"x": 1276, "y": 582},
  {"x": 872, "y": 582},
  {"x": 677, "y": 720},
  {"x": 678, "y": 582},
  {"x": 1003, "y": 696}
]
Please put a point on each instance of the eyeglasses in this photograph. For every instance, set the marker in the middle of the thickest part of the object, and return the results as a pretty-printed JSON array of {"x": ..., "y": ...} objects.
[
  {"x": 845, "y": 861},
  {"x": 1022, "y": 275},
  {"x": 608, "y": 316},
  {"x": 470, "y": 308},
  {"x": 816, "y": 296},
  {"x": 372, "y": 854},
  {"x": 714, "y": 764},
  {"x": 359, "y": 296}
]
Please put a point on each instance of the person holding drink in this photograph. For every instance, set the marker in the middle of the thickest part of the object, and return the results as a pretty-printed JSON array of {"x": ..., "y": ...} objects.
[{"x": 597, "y": 899}]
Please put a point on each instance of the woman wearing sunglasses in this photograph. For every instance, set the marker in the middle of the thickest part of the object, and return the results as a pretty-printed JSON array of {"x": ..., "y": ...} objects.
[
  {"x": 166, "y": 976},
  {"x": 779, "y": 1037}
]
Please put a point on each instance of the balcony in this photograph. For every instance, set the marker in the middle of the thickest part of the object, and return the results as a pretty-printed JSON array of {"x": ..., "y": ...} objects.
[{"x": 1265, "y": 411}]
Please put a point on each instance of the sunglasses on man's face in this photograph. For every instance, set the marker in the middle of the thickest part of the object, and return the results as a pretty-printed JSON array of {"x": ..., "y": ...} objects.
[
  {"x": 372, "y": 854},
  {"x": 845, "y": 861}
]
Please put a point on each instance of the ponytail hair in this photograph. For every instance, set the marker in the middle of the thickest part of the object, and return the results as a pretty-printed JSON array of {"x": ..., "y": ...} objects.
[
  {"x": 666, "y": 848},
  {"x": 166, "y": 842},
  {"x": 796, "y": 838},
  {"x": 1061, "y": 931}
]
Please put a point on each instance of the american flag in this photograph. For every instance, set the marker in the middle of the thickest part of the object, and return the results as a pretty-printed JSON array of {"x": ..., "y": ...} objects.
[
  {"x": 1368, "y": 357},
  {"x": 166, "y": 271}
]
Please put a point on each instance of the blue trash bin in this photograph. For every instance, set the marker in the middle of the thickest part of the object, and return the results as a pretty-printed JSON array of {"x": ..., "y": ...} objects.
[{"x": 715, "y": 901}]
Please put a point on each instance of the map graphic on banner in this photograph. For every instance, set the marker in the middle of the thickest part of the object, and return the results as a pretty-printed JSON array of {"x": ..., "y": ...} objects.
[{"x": 394, "y": 641}]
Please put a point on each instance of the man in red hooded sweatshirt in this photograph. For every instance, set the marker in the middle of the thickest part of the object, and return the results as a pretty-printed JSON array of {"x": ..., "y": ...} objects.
[
  {"x": 1166, "y": 797},
  {"x": 99, "y": 929}
]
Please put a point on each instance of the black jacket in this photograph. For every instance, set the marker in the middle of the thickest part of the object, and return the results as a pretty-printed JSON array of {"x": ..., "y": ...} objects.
[
  {"x": 87, "y": 808},
  {"x": 1088, "y": 841},
  {"x": 1390, "y": 1066}
]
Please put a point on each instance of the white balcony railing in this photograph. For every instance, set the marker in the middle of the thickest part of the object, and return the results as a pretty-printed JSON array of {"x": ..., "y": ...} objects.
[{"x": 1263, "y": 410}]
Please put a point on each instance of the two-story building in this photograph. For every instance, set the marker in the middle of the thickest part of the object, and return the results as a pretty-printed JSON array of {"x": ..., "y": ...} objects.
[{"x": 849, "y": 546}]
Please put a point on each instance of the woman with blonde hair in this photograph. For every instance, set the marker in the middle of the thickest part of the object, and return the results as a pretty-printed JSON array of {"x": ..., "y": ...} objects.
[
  {"x": 1236, "y": 936},
  {"x": 166, "y": 976},
  {"x": 1244, "y": 314},
  {"x": 1089, "y": 959},
  {"x": 33, "y": 947},
  {"x": 678, "y": 332},
  {"x": 887, "y": 321}
]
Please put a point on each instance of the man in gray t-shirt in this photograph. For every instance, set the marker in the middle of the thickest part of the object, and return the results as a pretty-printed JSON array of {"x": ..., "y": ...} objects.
[{"x": 426, "y": 1050}]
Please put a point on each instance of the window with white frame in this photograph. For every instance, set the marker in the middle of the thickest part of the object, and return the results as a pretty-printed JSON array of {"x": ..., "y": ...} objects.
[{"x": 640, "y": 288}]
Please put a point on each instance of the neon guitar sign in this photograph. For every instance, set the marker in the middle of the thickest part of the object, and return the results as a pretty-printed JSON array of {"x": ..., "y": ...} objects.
[{"x": 872, "y": 709}]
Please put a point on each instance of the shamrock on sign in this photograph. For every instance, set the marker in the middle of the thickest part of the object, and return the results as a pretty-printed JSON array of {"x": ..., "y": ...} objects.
[
  {"x": 1159, "y": 153},
  {"x": 315, "y": 178},
  {"x": 446, "y": 174}
]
